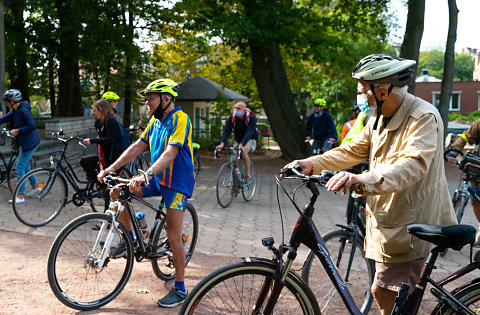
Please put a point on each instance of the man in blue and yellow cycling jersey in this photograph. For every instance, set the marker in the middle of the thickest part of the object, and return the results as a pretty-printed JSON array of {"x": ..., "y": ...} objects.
[{"x": 169, "y": 138}]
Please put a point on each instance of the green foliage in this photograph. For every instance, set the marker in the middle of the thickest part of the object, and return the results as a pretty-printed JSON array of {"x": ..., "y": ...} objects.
[
  {"x": 434, "y": 60},
  {"x": 475, "y": 115}
]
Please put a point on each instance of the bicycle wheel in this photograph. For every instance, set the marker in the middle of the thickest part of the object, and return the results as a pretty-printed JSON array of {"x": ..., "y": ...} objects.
[
  {"x": 360, "y": 278},
  {"x": 248, "y": 189},
  {"x": 460, "y": 201},
  {"x": 73, "y": 272},
  {"x": 196, "y": 163},
  {"x": 470, "y": 296},
  {"x": 234, "y": 289},
  {"x": 163, "y": 266},
  {"x": 41, "y": 207},
  {"x": 225, "y": 185},
  {"x": 12, "y": 174}
]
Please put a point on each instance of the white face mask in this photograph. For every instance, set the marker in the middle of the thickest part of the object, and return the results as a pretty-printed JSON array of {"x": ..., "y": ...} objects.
[
  {"x": 362, "y": 103},
  {"x": 239, "y": 113}
]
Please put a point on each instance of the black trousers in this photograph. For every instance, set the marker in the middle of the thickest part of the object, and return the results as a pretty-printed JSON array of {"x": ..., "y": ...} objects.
[{"x": 90, "y": 165}]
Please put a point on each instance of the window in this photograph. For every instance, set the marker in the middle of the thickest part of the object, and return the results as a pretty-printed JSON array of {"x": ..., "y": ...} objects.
[
  {"x": 454, "y": 100},
  {"x": 478, "y": 100}
]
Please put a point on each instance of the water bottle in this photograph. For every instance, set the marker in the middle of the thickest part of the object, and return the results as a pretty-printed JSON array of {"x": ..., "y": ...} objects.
[
  {"x": 237, "y": 171},
  {"x": 140, "y": 216}
]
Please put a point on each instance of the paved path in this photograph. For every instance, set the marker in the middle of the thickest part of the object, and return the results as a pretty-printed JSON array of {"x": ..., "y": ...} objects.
[{"x": 237, "y": 230}]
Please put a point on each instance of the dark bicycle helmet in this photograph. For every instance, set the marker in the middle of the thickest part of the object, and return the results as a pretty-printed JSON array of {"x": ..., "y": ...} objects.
[
  {"x": 12, "y": 95},
  {"x": 383, "y": 68}
]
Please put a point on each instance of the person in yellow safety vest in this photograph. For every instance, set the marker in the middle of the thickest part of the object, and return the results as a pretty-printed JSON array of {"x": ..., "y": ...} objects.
[
  {"x": 358, "y": 126},
  {"x": 349, "y": 124}
]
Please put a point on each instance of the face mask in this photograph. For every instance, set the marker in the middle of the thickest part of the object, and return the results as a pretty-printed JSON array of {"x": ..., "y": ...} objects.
[
  {"x": 239, "y": 113},
  {"x": 318, "y": 115},
  {"x": 362, "y": 103}
]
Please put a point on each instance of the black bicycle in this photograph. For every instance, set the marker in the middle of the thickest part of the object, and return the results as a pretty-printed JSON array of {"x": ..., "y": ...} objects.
[
  {"x": 8, "y": 173},
  {"x": 270, "y": 286},
  {"x": 45, "y": 204},
  {"x": 82, "y": 271}
]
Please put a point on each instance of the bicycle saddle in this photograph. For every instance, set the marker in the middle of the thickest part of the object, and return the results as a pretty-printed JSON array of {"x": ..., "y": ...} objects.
[{"x": 452, "y": 236}]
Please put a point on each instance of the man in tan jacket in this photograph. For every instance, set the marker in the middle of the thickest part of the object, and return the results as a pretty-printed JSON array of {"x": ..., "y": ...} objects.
[
  {"x": 472, "y": 136},
  {"x": 406, "y": 183}
]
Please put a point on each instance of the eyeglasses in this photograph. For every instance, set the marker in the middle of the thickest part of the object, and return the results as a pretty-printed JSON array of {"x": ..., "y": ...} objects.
[{"x": 151, "y": 97}]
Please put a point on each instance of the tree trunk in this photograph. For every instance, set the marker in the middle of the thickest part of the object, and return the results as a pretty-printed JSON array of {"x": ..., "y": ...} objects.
[
  {"x": 20, "y": 77},
  {"x": 69, "y": 102},
  {"x": 449, "y": 66},
  {"x": 277, "y": 99},
  {"x": 413, "y": 34},
  {"x": 127, "y": 106}
]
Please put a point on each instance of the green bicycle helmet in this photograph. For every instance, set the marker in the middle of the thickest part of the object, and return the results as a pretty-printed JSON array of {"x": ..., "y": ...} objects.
[
  {"x": 383, "y": 68},
  {"x": 162, "y": 86},
  {"x": 320, "y": 102},
  {"x": 110, "y": 96}
]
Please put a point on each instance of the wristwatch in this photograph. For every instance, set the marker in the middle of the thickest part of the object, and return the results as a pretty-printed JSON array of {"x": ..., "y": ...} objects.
[{"x": 150, "y": 173}]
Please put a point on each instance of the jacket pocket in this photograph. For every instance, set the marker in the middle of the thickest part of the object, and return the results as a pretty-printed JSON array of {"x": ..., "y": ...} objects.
[{"x": 392, "y": 231}]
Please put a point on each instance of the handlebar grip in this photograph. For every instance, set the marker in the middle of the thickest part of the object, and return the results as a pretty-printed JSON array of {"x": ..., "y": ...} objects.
[{"x": 451, "y": 150}]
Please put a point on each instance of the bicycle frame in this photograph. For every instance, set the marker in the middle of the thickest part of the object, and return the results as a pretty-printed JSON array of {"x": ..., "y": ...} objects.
[{"x": 305, "y": 232}]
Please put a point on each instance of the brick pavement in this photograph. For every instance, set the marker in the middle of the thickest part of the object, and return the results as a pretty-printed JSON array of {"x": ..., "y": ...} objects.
[{"x": 237, "y": 230}]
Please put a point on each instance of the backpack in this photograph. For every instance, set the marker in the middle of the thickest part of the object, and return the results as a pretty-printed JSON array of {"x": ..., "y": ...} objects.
[
  {"x": 248, "y": 112},
  {"x": 126, "y": 138}
]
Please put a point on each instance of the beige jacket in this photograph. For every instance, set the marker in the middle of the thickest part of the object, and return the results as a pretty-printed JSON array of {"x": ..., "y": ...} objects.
[{"x": 406, "y": 180}]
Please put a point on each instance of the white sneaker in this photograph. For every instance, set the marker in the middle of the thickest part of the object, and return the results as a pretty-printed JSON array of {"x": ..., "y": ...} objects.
[
  {"x": 17, "y": 200},
  {"x": 34, "y": 192}
]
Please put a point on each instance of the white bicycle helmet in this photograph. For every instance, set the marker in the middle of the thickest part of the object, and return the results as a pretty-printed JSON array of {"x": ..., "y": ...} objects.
[
  {"x": 12, "y": 95},
  {"x": 383, "y": 68}
]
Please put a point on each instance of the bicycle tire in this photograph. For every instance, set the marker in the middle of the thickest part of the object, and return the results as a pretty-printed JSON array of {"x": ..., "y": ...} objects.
[
  {"x": 360, "y": 279},
  {"x": 470, "y": 296},
  {"x": 234, "y": 289},
  {"x": 459, "y": 201},
  {"x": 41, "y": 208},
  {"x": 248, "y": 189},
  {"x": 72, "y": 274},
  {"x": 12, "y": 179},
  {"x": 163, "y": 267},
  {"x": 196, "y": 163},
  {"x": 225, "y": 185}
]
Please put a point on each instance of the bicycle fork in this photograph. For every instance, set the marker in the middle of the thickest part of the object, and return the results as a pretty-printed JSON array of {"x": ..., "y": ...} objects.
[
  {"x": 278, "y": 281},
  {"x": 109, "y": 230}
]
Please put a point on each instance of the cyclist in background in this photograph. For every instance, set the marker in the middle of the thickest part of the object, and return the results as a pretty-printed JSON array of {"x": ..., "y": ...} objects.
[
  {"x": 112, "y": 99},
  {"x": 22, "y": 126},
  {"x": 244, "y": 125},
  {"x": 406, "y": 180},
  {"x": 109, "y": 140},
  {"x": 323, "y": 126},
  {"x": 169, "y": 138},
  {"x": 472, "y": 136},
  {"x": 349, "y": 124}
]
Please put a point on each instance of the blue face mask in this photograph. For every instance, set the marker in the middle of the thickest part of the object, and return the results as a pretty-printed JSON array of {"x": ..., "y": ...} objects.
[
  {"x": 239, "y": 113},
  {"x": 318, "y": 115},
  {"x": 362, "y": 103}
]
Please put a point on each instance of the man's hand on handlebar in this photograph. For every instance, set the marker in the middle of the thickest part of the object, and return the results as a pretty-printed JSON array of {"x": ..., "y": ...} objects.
[
  {"x": 103, "y": 173},
  {"x": 343, "y": 180},
  {"x": 136, "y": 183},
  {"x": 220, "y": 147},
  {"x": 305, "y": 164}
]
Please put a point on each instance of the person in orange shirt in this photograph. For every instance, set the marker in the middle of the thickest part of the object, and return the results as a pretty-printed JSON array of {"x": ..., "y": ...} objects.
[{"x": 349, "y": 124}]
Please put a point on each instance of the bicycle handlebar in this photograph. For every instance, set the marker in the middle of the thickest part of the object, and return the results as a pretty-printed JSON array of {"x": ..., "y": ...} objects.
[
  {"x": 296, "y": 172},
  {"x": 215, "y": 152},
  {"x": 112, "y": 180}
]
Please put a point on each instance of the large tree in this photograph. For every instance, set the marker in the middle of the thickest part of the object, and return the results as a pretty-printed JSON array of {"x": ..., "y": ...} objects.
[
  {"x": 447, "y": 81},
  {"x": 410, "y": 48},
  {"x": 267, "y": 30}
]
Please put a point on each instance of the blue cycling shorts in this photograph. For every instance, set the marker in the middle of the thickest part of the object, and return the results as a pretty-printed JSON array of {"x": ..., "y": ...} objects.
[
  {"x": 172, "y": 198},
  {"x": 475, "y": 190}
]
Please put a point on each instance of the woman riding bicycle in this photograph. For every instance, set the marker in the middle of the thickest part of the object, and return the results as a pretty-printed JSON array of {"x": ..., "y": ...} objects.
[
  {"x": 22, "y": 126},
  {"x": 109, "y": 139}
]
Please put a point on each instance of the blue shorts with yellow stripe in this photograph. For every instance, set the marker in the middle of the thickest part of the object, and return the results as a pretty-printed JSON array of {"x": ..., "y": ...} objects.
[{"x": 171, "y": 198}]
